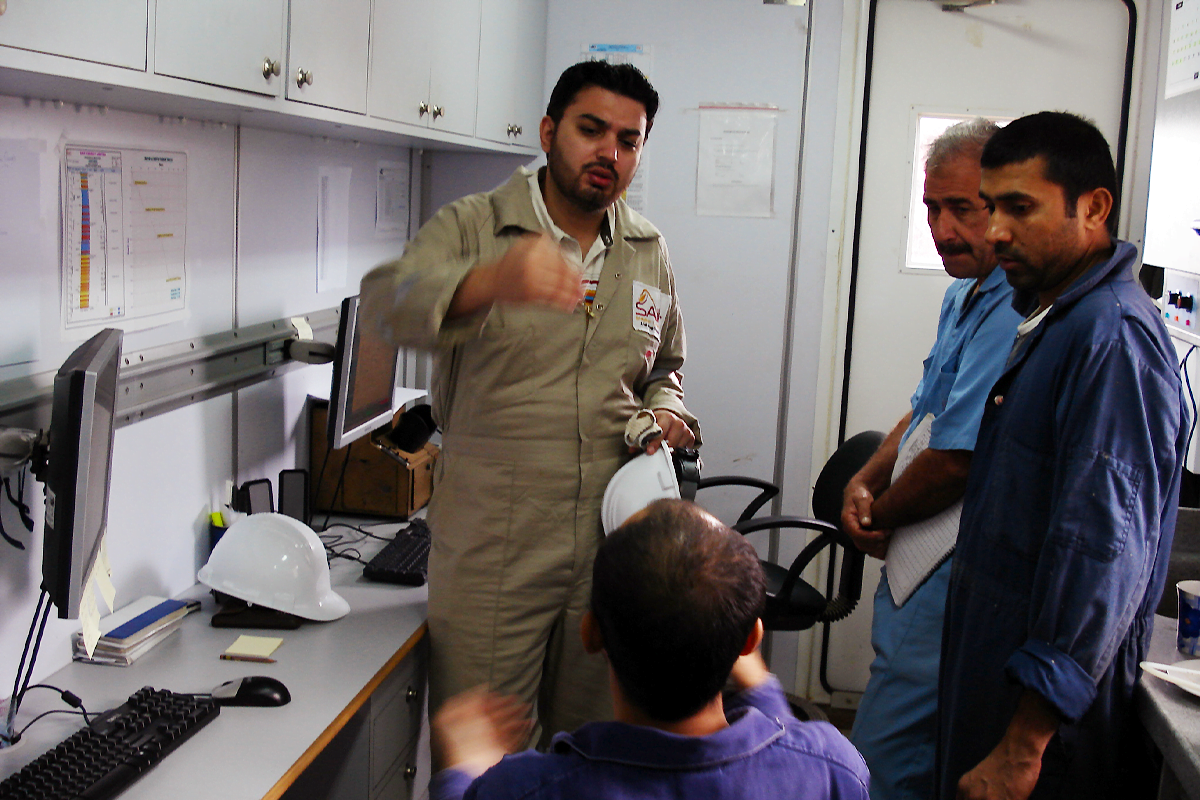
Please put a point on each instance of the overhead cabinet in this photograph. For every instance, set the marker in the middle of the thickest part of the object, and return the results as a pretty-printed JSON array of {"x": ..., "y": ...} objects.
[
  {"x": 327, "y": 53},
  {"x": 512, "y": 58},
  {"x": 425, "y": 62},
  {"x": 463, "y": 73},
  {"x": 233, "y": 43},
  {"x": 104, "y": 31}
]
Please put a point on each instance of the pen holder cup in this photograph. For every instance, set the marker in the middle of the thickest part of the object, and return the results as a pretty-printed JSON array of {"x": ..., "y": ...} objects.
[
  {"x": 1189, "y": 617},
  {"x": 215, "y": 532}
]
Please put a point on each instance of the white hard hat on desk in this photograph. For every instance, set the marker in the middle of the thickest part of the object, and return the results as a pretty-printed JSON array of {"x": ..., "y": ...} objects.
[{"x": 277, "y": 562}]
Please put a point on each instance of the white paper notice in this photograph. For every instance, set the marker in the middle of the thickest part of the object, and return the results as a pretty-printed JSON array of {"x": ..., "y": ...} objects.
[
  {"x": 637, "y": 194},
  {"x": 333, "y": 227},
  {"x": 1183, "y": 49},
  {"x": 639, "y": 55},
  {"x": 735, "y": 173},
  {"x": 391, "y": 199},
  {"x": 124, "y": 238},
  {"x": 25, "y": 257}
]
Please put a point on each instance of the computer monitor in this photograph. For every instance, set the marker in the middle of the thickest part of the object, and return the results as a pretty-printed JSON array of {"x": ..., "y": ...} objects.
[
  {"x": 78, "y": 468},
  {"x": 364, "y": 380}
]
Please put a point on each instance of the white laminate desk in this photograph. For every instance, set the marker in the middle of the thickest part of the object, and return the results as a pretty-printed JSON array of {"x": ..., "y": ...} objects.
[
  {"x": 356, "y": 683},
  {"x": 1172, "y": 718}
]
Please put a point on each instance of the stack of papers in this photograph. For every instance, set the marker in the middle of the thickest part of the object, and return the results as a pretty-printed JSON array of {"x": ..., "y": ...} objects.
[
  {"x": 916, "y": 550},
  {"x": 133, "y": 630}
]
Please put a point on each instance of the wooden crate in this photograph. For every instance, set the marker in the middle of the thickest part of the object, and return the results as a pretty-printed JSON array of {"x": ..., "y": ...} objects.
[{"x": 374, "y": 482}]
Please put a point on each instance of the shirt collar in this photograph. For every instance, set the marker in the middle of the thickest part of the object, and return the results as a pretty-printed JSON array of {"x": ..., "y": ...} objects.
[
  {"x": 637, "y": 745},
  {"x": 543, "y": 214},
  {"x": 1118, "y": 266}
]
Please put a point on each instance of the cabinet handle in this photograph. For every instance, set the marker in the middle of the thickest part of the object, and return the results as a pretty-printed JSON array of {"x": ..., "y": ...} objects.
[
  {"x": 270, "y": 68},
  {"x": 410, "y": 772},
  {"x": 410, "y": 695},
  {"x": 512, "y": 130},
  {"x": 519, "y": 130},
  {"x": 438, "y": 111},
  {"x": 422, "y": 109},
  {"x": 303, "y": 76}
]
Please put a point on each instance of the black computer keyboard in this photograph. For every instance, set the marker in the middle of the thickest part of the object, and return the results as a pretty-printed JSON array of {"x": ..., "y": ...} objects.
[
  {"x": 118, "y": 747},
  {"x": 403, "y": 560}
]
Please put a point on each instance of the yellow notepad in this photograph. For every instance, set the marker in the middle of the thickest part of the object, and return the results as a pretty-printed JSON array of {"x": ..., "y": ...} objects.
[{"x": 253, "y": 646}]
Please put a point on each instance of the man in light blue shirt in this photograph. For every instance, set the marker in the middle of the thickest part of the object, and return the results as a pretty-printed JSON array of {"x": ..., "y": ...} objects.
[{"x": 895, "y": 728}]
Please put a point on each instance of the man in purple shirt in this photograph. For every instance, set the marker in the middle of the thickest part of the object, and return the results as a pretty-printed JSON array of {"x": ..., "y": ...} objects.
[{"x": 676, "y": 600}]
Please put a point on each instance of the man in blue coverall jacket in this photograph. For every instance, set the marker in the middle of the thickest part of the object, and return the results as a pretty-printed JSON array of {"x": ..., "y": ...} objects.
[
  {"x": 1070, "y": 504},
  {"x": 676, "y": 599}
]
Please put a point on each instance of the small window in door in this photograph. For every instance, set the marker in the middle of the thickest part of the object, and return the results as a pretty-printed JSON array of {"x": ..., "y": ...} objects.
[{"x": 920, "y": 253}]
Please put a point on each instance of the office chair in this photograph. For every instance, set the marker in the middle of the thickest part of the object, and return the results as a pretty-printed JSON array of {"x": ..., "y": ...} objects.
[{"x": 792, "y": 603}]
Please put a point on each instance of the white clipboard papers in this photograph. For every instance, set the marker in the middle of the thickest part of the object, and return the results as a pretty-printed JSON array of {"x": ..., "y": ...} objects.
[{"x": 916, "y": 550}]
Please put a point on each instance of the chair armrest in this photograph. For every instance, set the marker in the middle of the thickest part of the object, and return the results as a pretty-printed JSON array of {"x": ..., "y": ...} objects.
[
  {"x": 767, "y": 491},
  {"x": 850, "y": 583}
]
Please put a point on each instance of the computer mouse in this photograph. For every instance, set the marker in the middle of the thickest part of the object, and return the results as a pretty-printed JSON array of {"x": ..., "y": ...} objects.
[{"x": 254, "y": 690}]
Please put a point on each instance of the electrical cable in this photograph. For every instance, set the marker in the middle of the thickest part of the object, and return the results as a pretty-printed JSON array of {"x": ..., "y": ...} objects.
[
  {"x": 1192, "y": 396},
  {"x": 21, "y": 732},
  {"x": 42, "y": 611},
  {"x": 68, "y": 697}
]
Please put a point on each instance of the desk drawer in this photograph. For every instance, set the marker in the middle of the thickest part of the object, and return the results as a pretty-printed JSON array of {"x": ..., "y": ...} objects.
[{"x": 395, "y": 726}]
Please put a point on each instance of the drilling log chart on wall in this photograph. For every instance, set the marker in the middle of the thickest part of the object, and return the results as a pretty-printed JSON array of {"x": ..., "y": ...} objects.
[{"x": 124, "y": 236}]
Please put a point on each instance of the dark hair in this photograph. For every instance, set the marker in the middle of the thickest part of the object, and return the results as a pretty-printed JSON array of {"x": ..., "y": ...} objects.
[
  {"x": 675, "y": 595},
  {"x": 1076, "y": 153},
  {"x": 624, "y": 79}
]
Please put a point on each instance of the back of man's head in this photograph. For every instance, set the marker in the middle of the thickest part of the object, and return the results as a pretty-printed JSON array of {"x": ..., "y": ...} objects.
[
  {"x": 1076, "y": 153},
  {"x": 675, "y": 594},
  {"x": 623, "y": 79}
]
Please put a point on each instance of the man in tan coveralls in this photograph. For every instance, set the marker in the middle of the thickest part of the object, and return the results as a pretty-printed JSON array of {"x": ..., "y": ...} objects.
[{"x": 550, "y": 307}]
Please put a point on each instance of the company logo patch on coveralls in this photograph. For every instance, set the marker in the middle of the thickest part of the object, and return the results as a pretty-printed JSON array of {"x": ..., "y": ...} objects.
[{"x": 649, "y": 306}]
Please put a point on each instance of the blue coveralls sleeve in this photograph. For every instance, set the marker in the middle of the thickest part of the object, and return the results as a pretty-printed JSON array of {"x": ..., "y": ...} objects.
[
  {"x": 981, "y": 364},
  {"x": 449, "y": 784},
  {"x": 1116, "y": 424}
]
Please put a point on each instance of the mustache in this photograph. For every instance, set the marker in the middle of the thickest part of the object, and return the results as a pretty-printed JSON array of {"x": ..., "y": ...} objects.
[{"x": 953, "y": 249}]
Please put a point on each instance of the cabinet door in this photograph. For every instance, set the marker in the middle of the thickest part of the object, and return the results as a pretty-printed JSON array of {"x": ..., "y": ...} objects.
[
  {"x": 327, "y": 48},
  {"x": 454, "y": 59},
  {"x": 222, "y": 42},
  {"x": 529, "y": 74},
  {"x": 105, "y": 31},
  {"x": 512, "y": 60},
  {"x": 398, "y": 82}
]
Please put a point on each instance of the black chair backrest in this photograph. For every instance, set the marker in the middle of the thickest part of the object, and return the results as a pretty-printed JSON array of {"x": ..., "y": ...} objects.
[{"x": 837, "y": 472}]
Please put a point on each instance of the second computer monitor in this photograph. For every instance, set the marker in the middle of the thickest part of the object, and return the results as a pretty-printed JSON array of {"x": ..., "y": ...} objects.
[
  {"x": 80, "y": 462},
  {"x": 364, "y": 380}
]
